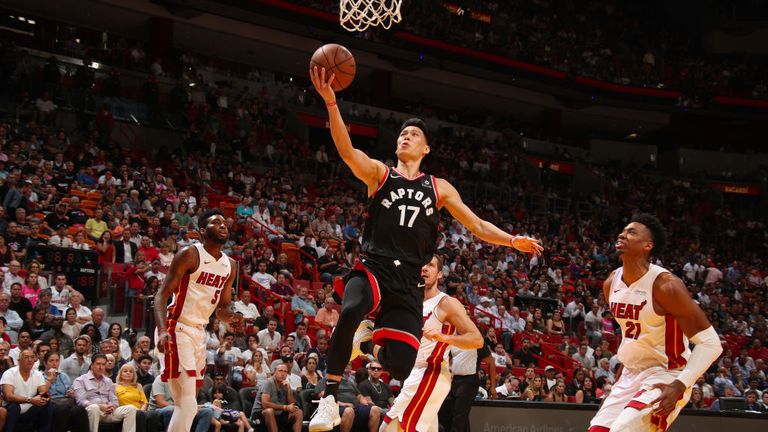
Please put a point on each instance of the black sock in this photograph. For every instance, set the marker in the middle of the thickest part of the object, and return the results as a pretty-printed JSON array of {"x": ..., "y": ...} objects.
[
  {"x": 367, "y": 347},
  {"x": 331, "y": 386}
]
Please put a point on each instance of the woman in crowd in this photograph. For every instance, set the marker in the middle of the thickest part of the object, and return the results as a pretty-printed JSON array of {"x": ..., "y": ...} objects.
[
  {"x": 92, "y": 332},
  {"x": 256, "y": 372},
  {"x": 37, "y": 268},
  {"x": 537, "y": 321},
  {"x": 556, "y": 325},
  {"x": 79, "y": 242},
  {"x": 71, "y": 327},
  {"x": 116, "y": 332},
  {"x": 587, "y": 393},
  {"x": 310, "y": 375},
  {"x": 31, "y": 288},
  {"x": 535, "y": 391},
  {"x": 558, "y": 393},
  {"x": 128, "y": 390},
  {"x": 67, "y": 415},
  {"x": 697, "y": 400},
  {"x": 106, "y": 248}
]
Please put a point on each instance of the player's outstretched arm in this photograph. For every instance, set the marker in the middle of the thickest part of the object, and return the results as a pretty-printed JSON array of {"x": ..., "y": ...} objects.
[
  {"x": 486, "y": 231},
  {"x": 183, "y": 263},
  {"x": 452, "y": 311},
  {"x": 224, "y": 310},
  {"x": 369, "y": 171},
  {"x": 672, "y": 298}
]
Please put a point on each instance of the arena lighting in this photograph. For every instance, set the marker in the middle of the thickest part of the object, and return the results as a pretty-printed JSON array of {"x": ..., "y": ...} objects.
[
  {"x": 33, "y": 22},
  {"x": 21, "y": 18},
  {"x": 191, "y": 84}
]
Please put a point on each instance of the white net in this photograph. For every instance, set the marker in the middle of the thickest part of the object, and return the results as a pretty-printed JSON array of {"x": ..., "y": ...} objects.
[{"x": 358, "y": 15}]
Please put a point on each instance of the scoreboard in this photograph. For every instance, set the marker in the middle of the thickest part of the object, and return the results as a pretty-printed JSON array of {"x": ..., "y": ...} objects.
[{"x": 80, "y": 266}]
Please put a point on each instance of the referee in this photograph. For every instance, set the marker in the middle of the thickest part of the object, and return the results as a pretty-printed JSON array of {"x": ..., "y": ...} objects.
[{"x": 465, "y": 364}]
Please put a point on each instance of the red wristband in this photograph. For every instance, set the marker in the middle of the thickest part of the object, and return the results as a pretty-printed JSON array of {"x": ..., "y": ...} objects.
[{"x": 330, "y": 104}]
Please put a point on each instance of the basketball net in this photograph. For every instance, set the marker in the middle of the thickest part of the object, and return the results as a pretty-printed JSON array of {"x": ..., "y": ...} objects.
[{"x": 358, "y": 15}]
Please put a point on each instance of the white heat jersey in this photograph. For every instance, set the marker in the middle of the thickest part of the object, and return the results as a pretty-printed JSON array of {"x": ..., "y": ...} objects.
[
  {"x": 432, "y": 352},
  {"x": 648, "y": 339},
  {"x": 197, "y": 296}
]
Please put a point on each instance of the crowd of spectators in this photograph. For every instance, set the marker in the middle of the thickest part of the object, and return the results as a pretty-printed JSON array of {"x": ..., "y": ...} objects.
[
  {"x": 76, "y": 189},
  {"x": 618, "y": 42}
]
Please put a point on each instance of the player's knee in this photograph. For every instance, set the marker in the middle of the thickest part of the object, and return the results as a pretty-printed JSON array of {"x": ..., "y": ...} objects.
[
  {"x": 631, "y": 420},
  {"x": 399, "y": 371}
]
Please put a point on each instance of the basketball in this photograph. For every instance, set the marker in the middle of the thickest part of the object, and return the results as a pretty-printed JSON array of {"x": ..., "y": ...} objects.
[{"x": 338, "y": 60}]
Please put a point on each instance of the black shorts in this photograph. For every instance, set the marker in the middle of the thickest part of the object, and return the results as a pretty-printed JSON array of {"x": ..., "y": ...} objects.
[
  {"x": 398, "y": 292},
  {"x": 362, "y": 414},
  {"x": 282, "y": 418}
]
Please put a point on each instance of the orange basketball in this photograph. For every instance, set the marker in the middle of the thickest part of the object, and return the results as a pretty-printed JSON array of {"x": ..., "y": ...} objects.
[{"x": 338, "y": 60}]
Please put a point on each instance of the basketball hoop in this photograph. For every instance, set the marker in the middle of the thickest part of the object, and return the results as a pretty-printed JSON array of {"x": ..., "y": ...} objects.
[{"x": 358, "y": 15}]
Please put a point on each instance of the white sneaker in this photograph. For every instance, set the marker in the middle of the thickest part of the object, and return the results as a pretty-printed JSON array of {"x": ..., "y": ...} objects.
[
  {"x": 326, "y": 417},
  {"x": 364, "y": 333}
]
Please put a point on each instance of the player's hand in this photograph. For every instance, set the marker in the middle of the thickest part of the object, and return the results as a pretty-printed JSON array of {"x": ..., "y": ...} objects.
[
  {"x": 435, "y": 335},
  {"x": 163, "y": 338},
  {"x": 493, "y": 395},
  {"x": 527, "y": 244},
  {"x": 670, "y": 394},
  {"x": 323, "y": 85}
]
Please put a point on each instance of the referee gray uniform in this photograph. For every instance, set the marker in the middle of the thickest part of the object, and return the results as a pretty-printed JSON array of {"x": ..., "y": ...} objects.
[{"x": 465, "y": 364}]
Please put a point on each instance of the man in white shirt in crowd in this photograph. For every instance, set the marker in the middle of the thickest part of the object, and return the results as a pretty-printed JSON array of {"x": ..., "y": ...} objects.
[
  {"x": 269, "y": 338},
  {"x": 60, "y": 239},
  {"x": 261, "y": 277},
  {"x": 23, "y": 393},
  {"x": 12, "y": 276},
  {"x": 574, "y": 313},
  {"x": 244, "y": 306},
  {"x": 605, "y": 370},
  {"x": 517, "y": 323}
]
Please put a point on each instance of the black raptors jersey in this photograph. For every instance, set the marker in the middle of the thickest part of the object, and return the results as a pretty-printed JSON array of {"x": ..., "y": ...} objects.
[{"x": 402, "y": 219}]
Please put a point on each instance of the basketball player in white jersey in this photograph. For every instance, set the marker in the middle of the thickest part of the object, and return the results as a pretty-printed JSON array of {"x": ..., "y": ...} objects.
[
  {"x": 657, "y": 317},
  {"x": 200, "y": 279},
  {"x": 445, "y": 324}
]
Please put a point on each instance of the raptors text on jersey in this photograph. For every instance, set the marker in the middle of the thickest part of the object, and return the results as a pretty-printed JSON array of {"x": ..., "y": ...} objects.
[{"x": 403, "y": 218}]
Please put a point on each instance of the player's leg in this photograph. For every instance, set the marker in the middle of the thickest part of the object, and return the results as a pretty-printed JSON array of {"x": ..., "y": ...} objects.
[
  {"x": 390, "y": 425},
  {"x": 183, "y": 390},
  {"x": 356, "y": 304},
  {"x": 397, "y": 335},
  {"x": 637, "y": 415},
  {"x": 621, "y": 394}
]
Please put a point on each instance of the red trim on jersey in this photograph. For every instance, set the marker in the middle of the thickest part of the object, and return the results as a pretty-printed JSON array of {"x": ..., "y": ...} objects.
[
  {"x": 339, "y": 286},
  {"x": 437, "y": 193},
  {"x": 171, "y": 359},
  {"x": 382, "y": 181},
  {"x": 387, "y": 419},
  {"x": 380, "y": 334},
  {"x": 661, "y": 423},
  {"x": 413, "y": 412},
  {"x": 175, "y": 309},
  {"x": 171, "y": 370},
  {"x": 406, "y": 177},
  {"x": 673, "y": 343},
  {"x": 598, "y": 429},
  {"x": 636, "y": 405}
]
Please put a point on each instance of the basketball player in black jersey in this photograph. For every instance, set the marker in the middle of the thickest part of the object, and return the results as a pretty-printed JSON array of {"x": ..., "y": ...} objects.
[{"x": 400, "y": 237}]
